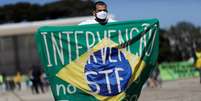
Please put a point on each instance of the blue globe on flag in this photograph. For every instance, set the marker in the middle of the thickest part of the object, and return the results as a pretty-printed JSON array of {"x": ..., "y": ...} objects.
[{"x": 107, "y": 72}]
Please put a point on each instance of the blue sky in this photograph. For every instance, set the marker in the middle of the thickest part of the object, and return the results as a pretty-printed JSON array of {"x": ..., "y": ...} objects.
[
  {"x": 3, "y": 2},
  {"x": 169, "y": 12}
]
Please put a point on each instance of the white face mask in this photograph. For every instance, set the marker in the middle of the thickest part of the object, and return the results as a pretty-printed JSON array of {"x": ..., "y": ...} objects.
[{"x": 101, "y": 15}]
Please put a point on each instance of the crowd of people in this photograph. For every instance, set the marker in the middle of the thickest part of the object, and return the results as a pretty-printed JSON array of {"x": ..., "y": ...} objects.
[{"x": 35, "y": 80}]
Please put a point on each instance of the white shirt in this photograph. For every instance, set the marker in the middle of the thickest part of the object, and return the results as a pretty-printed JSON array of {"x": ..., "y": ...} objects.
[{"x": 93, "y": 22}]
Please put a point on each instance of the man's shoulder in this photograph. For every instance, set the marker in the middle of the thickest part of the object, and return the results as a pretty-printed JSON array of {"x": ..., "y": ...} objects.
[
  {"x": 111, "y": 20},
  {"x": 88, "y": 22}
]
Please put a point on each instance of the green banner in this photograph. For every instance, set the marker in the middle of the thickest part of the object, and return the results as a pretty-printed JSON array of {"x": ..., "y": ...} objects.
[
  {"x": 99, "y": 62},
  {"x": 177, "y": 70}
]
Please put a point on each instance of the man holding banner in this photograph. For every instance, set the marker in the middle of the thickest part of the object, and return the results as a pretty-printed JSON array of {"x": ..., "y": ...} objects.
[
  {"x": 100, "y": 13},
  {"x": 99, "y": 62}
]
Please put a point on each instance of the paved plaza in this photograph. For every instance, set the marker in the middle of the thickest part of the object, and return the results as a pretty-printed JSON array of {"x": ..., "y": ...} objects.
[{"x": 180, "y": 90}]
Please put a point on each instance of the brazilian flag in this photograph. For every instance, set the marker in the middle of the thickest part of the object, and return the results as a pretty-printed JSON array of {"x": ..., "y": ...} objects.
[{"x": 99, "y": 62}]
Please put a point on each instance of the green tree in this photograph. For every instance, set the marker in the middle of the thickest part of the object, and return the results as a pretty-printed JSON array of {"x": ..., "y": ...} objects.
[
  {"x": 183, "y": 37},
  {"x": 32, "y": 12}
]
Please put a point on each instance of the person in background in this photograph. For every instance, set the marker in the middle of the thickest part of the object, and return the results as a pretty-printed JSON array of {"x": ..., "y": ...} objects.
[
  {"x": 10, "y": 84},
  {"x": 154, "y": 79},
  {"x": 198, "y": 62},
  {"x": 30, "y": 82},
  {"x": 37, "y": 81},
  {"x": 1, "y": 82},
  {"x": 196, "y": 50},
  {"x": 45, "y": 81},
  {"x": 17, "y": 80},
  {"x": 100, "y": 13}
]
